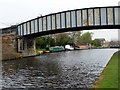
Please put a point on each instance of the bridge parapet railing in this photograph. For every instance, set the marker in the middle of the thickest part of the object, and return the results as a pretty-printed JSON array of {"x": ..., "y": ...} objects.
[{"x": 87, "y": 17}]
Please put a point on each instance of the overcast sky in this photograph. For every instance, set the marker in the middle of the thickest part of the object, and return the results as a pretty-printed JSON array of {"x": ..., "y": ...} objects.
[{"x": 16, "y": 11}]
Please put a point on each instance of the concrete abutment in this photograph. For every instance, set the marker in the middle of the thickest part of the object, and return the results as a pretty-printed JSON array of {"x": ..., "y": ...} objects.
[
  {"x": 26, "y": 46},
  {"x": 14, "y": 47}
]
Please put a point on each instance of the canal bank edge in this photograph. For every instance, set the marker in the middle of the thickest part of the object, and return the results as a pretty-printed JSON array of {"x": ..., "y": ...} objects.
[{"x": 109, "y": 78}]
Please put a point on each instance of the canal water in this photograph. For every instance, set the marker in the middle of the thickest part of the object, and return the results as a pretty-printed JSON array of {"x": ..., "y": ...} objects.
[{"x": 69, "y": 69}]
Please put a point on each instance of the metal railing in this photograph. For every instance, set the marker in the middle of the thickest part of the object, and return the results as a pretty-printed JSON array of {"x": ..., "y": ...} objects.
[{"x": 79, "y": 18}]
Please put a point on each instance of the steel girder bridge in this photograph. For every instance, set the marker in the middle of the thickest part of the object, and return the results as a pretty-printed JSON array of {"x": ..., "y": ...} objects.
[{"x": 71, "y": 20}]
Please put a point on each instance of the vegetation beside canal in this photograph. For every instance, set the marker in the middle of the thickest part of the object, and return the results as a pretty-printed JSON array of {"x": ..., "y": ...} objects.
[{"x": 109, "y": 77}]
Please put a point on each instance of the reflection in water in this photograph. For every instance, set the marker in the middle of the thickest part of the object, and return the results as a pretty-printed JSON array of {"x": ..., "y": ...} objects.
[{"x": 71, "y": 69}]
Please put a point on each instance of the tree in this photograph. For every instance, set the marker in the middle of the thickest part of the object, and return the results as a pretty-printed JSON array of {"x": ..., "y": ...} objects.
[
  {"x": 40, "y": 42},
  {"x": 85, "y": 39},
  {"x": 95, "y": 43},
  {"x": 76, "y": 37},
  {"x": 43, "y": 42},
  {"x": 50, "y": 41},
  {"x": 61, "y": 39}
]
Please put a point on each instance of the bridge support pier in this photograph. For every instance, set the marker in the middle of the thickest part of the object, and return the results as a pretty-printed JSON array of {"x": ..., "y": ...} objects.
[{"x": 26, "y": 46}]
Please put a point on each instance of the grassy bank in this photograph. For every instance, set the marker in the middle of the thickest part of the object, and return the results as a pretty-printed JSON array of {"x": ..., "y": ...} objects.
[{"x": 109, "y": 76}]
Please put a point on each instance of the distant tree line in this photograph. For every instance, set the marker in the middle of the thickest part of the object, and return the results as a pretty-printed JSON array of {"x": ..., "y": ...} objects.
[{"x": 72, "y": 38}]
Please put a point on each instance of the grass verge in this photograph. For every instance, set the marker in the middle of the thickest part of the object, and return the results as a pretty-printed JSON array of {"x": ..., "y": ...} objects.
[{"x": 109, "y": 77}]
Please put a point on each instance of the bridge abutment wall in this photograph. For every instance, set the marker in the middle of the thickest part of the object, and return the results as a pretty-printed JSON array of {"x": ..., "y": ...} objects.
[
  {"x": 9, "y": 46},
  {"x": 26, "y": 46},
  {"x": 13, "y": 47}
]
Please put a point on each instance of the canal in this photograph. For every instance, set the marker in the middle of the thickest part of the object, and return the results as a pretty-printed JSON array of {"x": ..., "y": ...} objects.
[{"x": 69, "y": 69}]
